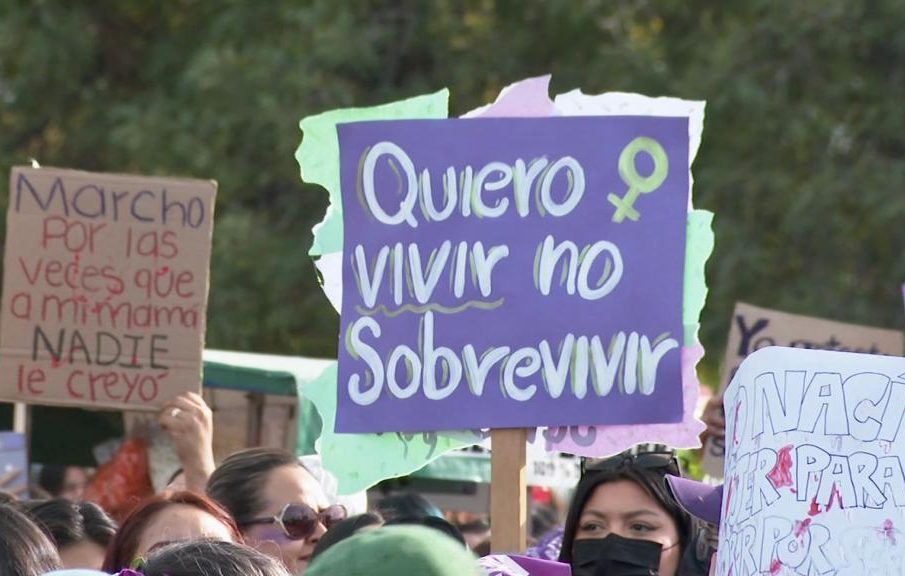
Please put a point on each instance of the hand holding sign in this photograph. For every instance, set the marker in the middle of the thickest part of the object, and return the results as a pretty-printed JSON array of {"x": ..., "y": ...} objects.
[
  {"x": 189, "y": 422},
  {"x": 10, "y": 482},
  {"x": 715, "y": 418}
]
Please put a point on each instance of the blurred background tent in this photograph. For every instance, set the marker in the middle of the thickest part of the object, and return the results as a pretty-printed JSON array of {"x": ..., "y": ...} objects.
[{"x": 253, "y": 397}]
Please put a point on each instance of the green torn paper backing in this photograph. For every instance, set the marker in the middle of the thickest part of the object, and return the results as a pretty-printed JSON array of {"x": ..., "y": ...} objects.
[
  {"x": 360, "y": 461},
  {"x": 318, "y": 154}
]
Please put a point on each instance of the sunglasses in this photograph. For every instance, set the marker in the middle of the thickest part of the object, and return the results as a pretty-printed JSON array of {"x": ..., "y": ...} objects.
[
  {"x": 664, "y": 460},
  {"x": 299, "y": 521}
]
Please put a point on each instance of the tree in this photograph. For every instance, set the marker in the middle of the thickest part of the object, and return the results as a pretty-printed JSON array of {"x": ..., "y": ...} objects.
[{"x": 800, "y": 159}]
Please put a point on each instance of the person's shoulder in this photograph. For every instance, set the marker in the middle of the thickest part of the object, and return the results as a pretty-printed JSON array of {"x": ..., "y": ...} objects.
[
  {"x": 75, "y": 572},
  {"x": 514, "y": 565}
]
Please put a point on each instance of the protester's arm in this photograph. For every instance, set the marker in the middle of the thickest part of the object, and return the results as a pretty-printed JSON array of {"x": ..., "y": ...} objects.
[
  {"x": 189, "y": 421},
  {"x": 714, "y": 418},
  {"x": 8, "y": 479}
]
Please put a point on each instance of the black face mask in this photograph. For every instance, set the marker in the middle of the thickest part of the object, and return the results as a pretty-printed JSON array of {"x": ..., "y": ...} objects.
[{"x": 616, "y": 556}]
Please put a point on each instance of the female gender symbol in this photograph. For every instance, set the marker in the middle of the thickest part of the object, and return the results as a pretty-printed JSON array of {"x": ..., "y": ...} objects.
[{"x": 638, "y": 184}]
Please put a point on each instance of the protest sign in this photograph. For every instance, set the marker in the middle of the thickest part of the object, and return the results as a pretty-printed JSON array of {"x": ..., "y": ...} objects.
[
  {"x": 14, "y": 464},
  {"x": 753, "y": 328},
  {"x": 104, "y": 288},
  {"x": 512, "y": 272},
  {"x": 553, "y": 470},
  {"x": 401, "y": 452},
  {"x": 814, "y": 478}
]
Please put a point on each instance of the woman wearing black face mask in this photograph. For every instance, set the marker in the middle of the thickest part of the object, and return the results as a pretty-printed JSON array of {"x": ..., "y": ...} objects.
[{"x": 624, "y": 521}]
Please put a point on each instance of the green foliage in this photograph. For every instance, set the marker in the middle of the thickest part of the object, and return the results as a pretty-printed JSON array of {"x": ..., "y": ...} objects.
[
  {"x": 801, "y": 159},
  {"x": 690, "y": 461}
]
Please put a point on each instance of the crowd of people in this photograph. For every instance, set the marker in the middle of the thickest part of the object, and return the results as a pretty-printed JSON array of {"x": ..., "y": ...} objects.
[{"x": 262, "y": 512}]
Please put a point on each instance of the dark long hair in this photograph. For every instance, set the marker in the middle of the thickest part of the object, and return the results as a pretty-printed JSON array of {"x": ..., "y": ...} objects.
[
  {"x": 345, "y": 530},
  {"x": 68, "y": 523},
  {"x": 207, "y": 557},
  {"x": 24, "y": 549},
  {"x": 122, "y": 550},
  {"x": 238, "y": 483},
  {"x": 692, "y": 541},
  {"x": 52, "y": 477}
]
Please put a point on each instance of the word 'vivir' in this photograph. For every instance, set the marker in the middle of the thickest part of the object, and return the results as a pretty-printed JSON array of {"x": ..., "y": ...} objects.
[{"x": 410, "y": 270}]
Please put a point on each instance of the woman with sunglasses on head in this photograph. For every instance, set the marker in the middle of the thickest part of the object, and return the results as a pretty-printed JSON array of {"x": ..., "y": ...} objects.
[
  {"x": 624, "y": 521},
  {"x": 280, "y": 508},
  {"x": 162, "y": 520}
]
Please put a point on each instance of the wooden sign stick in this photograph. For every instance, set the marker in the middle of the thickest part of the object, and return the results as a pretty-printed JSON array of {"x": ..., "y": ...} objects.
[
  {"x": 508, "y": 490},
  {"x": 21, "y": 422}
]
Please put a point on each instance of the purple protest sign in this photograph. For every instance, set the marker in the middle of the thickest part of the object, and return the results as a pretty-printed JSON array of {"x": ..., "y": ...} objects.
[
  {"x": 512, "y": 272},
  {"x": 14, "y": 463}
]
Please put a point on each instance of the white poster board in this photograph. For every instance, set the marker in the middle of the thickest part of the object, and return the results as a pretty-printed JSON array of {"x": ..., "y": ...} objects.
[
  {"x": 814, "y": 476},
  {"x": 753, "y": 328}
]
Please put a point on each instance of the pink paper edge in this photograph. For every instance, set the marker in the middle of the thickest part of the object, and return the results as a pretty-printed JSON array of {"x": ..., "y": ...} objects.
[
  {"x": 685, "y": 434},
  {"x": 526, "y": 98}
]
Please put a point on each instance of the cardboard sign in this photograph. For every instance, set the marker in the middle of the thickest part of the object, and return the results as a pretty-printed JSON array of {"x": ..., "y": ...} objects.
[
  {"x": 553, "y": 470},
  {"x": 13, "y": 464},
  {"x": 512, "y": 272},
  {"x": 753, "y": 328},
  {"x": 815, "y": 482},
  {"x": 104, "y": 288}
]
